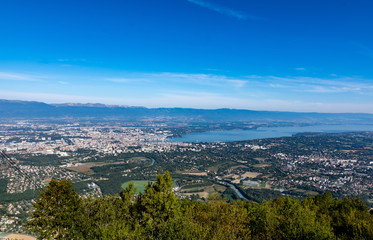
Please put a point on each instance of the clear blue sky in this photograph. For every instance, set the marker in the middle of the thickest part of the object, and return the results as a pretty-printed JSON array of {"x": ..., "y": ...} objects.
[{"x": 286, "y": 55}]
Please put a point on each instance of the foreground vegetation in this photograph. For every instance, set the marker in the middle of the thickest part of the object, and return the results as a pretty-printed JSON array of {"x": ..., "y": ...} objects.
[{"x": 158, "y": 213}]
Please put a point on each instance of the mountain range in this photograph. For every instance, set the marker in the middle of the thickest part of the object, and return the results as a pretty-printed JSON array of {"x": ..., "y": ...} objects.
[{"x": 14, "y": 109}]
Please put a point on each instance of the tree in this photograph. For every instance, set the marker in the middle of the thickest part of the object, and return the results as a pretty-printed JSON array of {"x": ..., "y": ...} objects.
[
  {"x": 111, "y": 216},
  {"x": 158, "y": 213},
  {"x": 157, "y": 205},
  {"x": 57, "y": 212}
]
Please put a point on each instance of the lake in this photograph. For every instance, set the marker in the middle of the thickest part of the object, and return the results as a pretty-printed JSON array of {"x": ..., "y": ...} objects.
[{"x": 266, "y": 132}]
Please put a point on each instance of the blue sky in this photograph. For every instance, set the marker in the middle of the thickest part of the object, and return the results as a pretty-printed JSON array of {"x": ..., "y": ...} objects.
[{"x": 282, "y": 55}]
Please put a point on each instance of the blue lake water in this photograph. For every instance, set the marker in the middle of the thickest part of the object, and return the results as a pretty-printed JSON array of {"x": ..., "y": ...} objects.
[{"x": 266, "y": 132}]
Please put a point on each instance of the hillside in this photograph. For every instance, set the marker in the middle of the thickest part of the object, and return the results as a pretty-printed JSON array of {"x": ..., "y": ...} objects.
[
  {"x": 160, "y": 214},
  {"x": 39, "y": 110}
]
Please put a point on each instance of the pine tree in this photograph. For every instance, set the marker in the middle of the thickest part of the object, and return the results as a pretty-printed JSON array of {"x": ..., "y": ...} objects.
[{"x": 57, "y": 212}]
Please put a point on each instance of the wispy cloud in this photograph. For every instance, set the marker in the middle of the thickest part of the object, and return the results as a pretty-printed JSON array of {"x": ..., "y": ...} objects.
[
  {"x": 198, "y": 90},
  {"x": 203, "y": 79},
  {"x": 66, "y": 65},
  {"x": 185, "y": 78},
  {"x": 130, "y": 79},
  {"x": 237, "y": 83},
  {"x": 20, "y": 77},
  {"x": 223, "y": 83},
  {"x": 72, "y": 60},
  {"x": 119, "y": 80},
  {"x": 222, "y": 10},
  {"x": 317, "y": 85},
  {"x": 53, "y": 97},
  {"x": 333, "y": 89},
  {"x": 191, "y": 78},
  {"x": 204, "y": 100}
]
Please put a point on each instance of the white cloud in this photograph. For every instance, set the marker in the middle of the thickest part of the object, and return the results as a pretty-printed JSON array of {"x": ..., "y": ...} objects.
[
  {"x": 189, "y": 77},
  {"x": 185, "y": 78},
  {"x": 137, "y": 79},
  {"x": 214, "y": 101},
  {"x": 332, "y": 89},
  {"x": 203, "y": 79},
  {"x": 222, "y": 10},
  {"x": 200, "y": 90},
  {"x": 72, "y": 60},
  {"x": 118, "y": 80},
  {"x": 202, "y": 100},
  {"x": 52, "y": 97},
  {"x": 19, "y": 77},
  {"x": 317, "y": 85},
  {"x": 237, "y": 83},
  {"x": 224, "y": 83}
]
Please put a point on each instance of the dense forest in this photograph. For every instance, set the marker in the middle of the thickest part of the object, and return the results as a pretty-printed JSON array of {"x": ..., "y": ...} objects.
[{"x": 59, "y": 213}]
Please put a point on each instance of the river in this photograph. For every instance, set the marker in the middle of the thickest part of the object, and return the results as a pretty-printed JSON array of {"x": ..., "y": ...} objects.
[
  {"x": 237, "y": 191},
  {"x": 153, "y": 161}
]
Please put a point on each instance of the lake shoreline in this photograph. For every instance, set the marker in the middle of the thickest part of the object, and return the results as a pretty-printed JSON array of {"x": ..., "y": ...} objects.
[{"x": 266, "y": 132}]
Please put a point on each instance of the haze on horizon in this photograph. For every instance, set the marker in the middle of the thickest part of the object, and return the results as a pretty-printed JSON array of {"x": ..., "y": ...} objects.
[{"x": 303, "y": 56}]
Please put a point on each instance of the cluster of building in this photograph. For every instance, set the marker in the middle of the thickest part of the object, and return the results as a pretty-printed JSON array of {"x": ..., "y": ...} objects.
[
  {"x": 277, "y": 164},
  {"x": 12, "y": 217},
  {"x": 61, "y": 139},
  {"x": 351, "y": 176},
  {"x": 32, "y": 177}
]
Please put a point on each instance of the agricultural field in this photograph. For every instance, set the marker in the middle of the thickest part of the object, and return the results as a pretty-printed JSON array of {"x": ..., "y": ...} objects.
[
  {"x": 195, "y": 173},
  {"x": 11, "y": 236},
  {"x": 139, "y": 185},
  {"x": 251, "y": 174},
  {"x": 203, "y": 190}
]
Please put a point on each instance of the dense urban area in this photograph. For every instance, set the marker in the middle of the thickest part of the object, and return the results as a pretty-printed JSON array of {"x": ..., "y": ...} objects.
[{"x": 103, "y": 157}]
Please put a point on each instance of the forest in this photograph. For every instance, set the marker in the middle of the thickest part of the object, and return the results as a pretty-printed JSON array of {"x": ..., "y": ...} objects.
[{"x": 158, "y": 213}]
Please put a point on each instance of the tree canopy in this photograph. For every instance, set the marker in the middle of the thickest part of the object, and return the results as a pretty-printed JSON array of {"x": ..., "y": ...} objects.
[{"x": 59, "y": 213}]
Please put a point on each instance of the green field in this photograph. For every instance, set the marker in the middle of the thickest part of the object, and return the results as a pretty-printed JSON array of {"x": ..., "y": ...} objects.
[
  {"x": 139, "y": 159},
  {"x": 46, "y": 183},
  {"x": 140, "y": 185}
]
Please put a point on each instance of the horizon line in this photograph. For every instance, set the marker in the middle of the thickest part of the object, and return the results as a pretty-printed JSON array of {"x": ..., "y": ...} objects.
[{"x": 132, "y": 106}]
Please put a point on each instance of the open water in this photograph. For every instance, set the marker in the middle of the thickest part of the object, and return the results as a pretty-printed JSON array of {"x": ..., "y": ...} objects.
[{"x": 266, "y": 132}]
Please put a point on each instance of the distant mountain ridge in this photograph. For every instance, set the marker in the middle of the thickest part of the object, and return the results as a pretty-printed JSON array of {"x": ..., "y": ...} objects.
[
  {"x": 37, "y": 110},
  {"x": 87, "y": 105}
]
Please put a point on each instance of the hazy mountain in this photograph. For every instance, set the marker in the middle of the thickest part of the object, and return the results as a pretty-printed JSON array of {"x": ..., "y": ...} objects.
[{"x": 31, "y": 110}]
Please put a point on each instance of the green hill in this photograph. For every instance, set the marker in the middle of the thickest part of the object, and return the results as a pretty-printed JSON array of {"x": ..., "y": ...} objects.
[{"x": 159, "y": 214}]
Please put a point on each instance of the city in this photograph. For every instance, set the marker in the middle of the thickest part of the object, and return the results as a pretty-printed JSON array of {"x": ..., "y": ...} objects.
[{"x": 101, "y": 159}]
